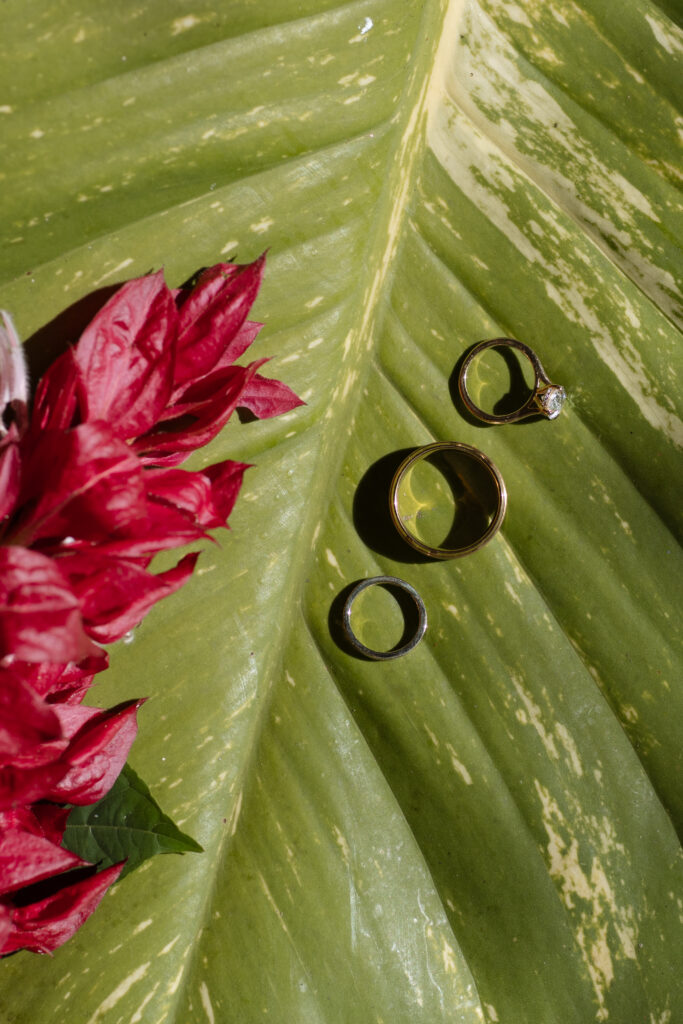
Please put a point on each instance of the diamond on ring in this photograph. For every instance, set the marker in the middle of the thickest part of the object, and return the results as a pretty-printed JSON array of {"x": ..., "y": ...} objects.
[{"x": 550, "y": 400}]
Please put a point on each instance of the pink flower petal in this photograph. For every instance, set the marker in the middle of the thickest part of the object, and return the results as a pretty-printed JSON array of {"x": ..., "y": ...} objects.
[
  {"x": 85, "y": 483},
  {"x": 30, "y": 731},
  {"x": 56, "y": 399},
  {"x": 125, "y": 356},
  {"x": 27, "y": 854},
  {"x": 226, "y": 481},
  {"x": 47, "y": 924},
  {"x": 205, "y": 408},
  {"x": 97, "y": 752},
  {"x": 206, "y": 498},
  {"x": 265, "y": 397},
  {"x": 116, "y": 594},
  {"x": 27, "y": 785},
  {"x": 62, "y": 682},
  {"x": 40, "y": 617},
  {"x": 211, "y": 317},
  {"x": 10, "y": 478}
]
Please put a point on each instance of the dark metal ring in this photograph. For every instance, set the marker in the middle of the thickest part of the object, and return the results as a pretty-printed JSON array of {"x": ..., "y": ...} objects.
[
  {"x": 546, "y": 398},
  {"x": 396, "y": 652}
]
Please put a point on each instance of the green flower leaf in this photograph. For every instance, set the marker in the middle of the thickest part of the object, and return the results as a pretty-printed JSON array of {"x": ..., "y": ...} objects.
[
  {"x": 485, "y": 829},
  {"x": 127, "y": 824}
]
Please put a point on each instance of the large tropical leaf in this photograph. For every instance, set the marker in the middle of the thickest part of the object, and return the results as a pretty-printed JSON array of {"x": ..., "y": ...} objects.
[{"x": 483, "y": 830}]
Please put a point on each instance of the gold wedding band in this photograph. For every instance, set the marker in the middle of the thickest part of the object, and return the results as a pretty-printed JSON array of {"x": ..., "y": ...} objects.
[
  {"x": 546, "y": 398},
  {"x": 400, "y": 478}
]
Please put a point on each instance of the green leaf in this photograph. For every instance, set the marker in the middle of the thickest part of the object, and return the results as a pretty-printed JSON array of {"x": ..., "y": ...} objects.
[
  {"x": 127, "y": 824},
  {"x": 483, "y": 830}
]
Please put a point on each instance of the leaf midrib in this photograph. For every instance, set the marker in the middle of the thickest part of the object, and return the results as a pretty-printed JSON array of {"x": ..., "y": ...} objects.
[{"x": 327, "y": 466}]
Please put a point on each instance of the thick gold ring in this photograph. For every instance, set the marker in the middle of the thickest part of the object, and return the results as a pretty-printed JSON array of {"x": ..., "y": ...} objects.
[
  {"x": 545, "y": 399},
  {"x": 399, "y": 520}
]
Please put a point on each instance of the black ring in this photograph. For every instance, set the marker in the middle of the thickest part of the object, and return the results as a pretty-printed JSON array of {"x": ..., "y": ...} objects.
[{"x": 395, "y": 652}]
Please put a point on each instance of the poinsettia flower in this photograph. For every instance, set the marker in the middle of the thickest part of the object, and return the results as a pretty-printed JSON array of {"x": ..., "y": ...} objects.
[
  {"x": 46, "y": 924},
  {"x": 150, "y": 357},
  {"x": 136, "y": 364},
  {"x": 159, "y": 367},
  {"x": 89, "y": 493}
]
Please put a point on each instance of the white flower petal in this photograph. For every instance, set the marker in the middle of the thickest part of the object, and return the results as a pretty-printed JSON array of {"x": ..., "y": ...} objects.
[{"x": 13, "y": 373}]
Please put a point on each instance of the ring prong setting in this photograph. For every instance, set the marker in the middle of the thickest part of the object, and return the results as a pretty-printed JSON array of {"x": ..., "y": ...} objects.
[{"x": 550, "y": 400}]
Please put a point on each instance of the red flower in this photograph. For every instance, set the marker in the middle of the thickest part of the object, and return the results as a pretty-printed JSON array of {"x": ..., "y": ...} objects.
[
  {"x": 89, "y": 493},
  {"x": 31, "y": 852},
  {"x": 59, "y": 753},
  {"x": 158, "y": 367},
  {"x": 90, "y": 485}
]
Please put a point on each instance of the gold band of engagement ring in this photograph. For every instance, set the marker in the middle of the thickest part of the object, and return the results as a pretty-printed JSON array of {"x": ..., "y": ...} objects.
[
  {"x": 546, "y": 398},
  {"x": 388, "y": 582},
  {"x": 400, "y": 480}
]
